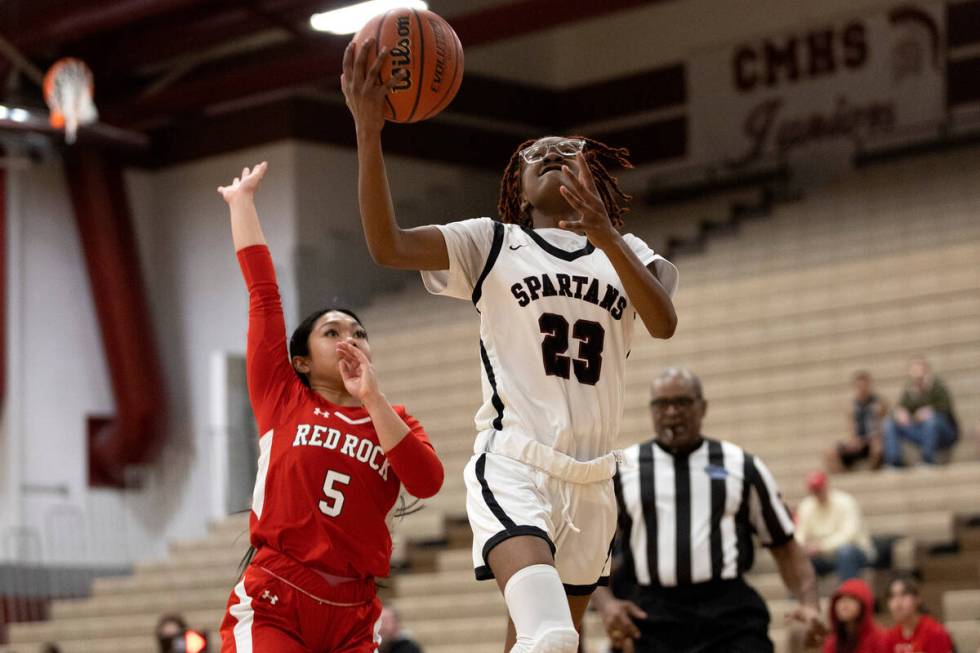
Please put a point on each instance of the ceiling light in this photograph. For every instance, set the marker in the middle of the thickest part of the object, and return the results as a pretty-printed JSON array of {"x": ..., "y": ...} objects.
[
  {"x": 348, "y": 20},
  {"x": 4, "y": 112},
  {"x": 19, "y": 115}
]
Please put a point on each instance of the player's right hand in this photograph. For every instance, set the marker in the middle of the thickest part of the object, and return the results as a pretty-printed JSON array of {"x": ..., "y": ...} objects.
[
  {"x": 617, "y": 618},
  {"x": 244, "y": 186},
  {"x": 363, "y": 90}
]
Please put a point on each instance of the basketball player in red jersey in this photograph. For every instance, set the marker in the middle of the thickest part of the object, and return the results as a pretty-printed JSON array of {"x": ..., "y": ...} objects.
[{"x": 333, "y": 453}]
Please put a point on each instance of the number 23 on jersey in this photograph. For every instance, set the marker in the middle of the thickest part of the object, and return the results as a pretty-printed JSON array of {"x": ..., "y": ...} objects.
[{"x": 591, "y": 336}]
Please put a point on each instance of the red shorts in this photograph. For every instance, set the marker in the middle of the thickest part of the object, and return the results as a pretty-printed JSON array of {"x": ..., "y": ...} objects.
[{"x": 281, "y": 607}]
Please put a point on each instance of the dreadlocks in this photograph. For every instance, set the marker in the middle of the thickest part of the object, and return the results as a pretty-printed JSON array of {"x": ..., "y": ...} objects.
[{"x": 597, "y": 156}]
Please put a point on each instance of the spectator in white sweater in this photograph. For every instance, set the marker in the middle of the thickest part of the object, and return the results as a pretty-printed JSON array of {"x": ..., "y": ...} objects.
[{"x": 831, "y": 529}]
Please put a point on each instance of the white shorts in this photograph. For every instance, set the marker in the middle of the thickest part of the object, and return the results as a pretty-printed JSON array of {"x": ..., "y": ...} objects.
[{"x": 506, "y": 498}]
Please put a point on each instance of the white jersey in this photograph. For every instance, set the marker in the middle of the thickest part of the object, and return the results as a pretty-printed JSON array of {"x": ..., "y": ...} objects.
[{"x": 555, "y": 330}]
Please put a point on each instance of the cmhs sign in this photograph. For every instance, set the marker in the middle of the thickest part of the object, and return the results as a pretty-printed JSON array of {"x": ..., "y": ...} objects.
[{"x": 855, "y": 79}]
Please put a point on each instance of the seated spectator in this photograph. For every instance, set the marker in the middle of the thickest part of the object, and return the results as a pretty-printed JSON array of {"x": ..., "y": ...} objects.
[
  {"x": 913, "y": 630},
  {"x": 853, "y": 628},
  {"x": 924, "y": 416},
  {"x": 49, "y": 647},
  {"x": 865, "y": 423},
  {"x": 393, "y": 638},
  {"x": 170, "y": 628},
  {"x": 831, "y": 530},
  {"x": 173, "y": 636}
]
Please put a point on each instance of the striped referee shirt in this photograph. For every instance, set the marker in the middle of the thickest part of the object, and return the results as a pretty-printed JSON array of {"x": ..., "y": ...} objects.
[{"x": 690, "y": 518}]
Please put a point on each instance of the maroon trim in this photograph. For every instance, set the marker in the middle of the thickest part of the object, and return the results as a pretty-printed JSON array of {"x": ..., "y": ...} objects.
[
  {"x": 962, "y": 23},
  {"x": 111, "y": 256},
  {"x": 650, "y": 90},
  {"x": 655, "y": 141},
  {"x": 962, "y": 81},
  {"x": 310, "y": 120}
]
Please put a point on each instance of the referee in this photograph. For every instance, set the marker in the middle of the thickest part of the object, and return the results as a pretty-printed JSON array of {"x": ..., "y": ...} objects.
[{"x": 688, "y": 508}]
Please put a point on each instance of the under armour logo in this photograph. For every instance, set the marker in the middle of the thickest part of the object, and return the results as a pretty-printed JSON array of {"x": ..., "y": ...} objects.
[
  {"x": 321, "y": 413},
  {"x": 517, "y": 247},
  {"x": 270, "y": 597}
]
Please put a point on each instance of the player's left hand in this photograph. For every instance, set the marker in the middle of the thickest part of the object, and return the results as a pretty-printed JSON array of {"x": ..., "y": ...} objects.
[
  {"x": 357, "y": 372},
  {"x": 816, "y": 629},
  {"x": 580, "y": 191}
]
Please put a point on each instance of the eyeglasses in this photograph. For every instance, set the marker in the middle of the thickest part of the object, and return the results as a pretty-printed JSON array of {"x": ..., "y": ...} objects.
[
  {"x": 661, "y": 404},
  {"x": 568, "y": 148}
]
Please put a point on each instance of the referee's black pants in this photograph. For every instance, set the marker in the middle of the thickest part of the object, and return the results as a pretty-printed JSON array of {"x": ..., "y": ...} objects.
[{"x": 724, "y": 616}]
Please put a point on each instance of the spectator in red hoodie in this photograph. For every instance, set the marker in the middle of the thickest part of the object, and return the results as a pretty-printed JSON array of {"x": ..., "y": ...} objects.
[
  {"x": 852, "y": 619},
  {"x": 914, "y": 632}
]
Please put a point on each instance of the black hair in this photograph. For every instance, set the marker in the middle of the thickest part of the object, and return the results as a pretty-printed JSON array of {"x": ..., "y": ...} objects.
[
  {"x": 849, "y": 640},
  {"x": 299, "y": 342},
  {"x": 171, "y": 618},
  {"x": 910, "y": 584}
]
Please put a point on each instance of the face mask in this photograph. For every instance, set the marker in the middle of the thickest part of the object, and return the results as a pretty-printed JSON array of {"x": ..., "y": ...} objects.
[{"x": 172, "y": 644}]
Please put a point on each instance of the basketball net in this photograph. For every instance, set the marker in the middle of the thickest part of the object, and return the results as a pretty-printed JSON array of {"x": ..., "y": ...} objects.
[{"x": 68, "y": 88}]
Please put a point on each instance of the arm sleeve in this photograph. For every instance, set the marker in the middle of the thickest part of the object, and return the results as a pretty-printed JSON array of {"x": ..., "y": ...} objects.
[
  {"x": 666, "y": 271},
  {"x": 415, "y": 461},
  {"x": 270, "y": 376},
  {"x": 468, "y": 244},
  {"x": 771, "y": 519}
]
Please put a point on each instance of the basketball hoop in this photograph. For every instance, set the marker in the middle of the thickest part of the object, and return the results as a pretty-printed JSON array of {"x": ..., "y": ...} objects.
[{"x": 68, "y": 88}]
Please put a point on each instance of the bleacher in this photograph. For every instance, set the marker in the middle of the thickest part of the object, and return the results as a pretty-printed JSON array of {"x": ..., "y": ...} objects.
[{"x": 862, "y": 274}]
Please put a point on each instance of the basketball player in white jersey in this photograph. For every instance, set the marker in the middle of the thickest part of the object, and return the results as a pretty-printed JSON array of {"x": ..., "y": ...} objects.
[{"x": 557, "y": 287}]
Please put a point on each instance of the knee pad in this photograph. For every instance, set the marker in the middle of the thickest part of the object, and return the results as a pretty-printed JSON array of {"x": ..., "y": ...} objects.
[
  {"x": 555, "y": 640},
  {"x": 538, "y": 607}
]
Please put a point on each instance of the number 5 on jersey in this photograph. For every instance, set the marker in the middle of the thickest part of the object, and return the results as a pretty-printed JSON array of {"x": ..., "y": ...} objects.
[{"x": 333, "y": 509}]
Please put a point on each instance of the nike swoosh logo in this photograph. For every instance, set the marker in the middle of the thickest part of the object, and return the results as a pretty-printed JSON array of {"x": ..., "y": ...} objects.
[{"x": 515, "y": 248}]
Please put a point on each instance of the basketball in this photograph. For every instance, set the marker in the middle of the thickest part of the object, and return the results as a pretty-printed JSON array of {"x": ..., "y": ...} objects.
[{"x": 427, "y": 49}]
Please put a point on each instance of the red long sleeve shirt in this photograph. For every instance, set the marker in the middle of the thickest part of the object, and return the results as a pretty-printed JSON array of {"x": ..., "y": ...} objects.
[
  {"x": 324, "y": 486},
  {"x": 929, "y": 637}
]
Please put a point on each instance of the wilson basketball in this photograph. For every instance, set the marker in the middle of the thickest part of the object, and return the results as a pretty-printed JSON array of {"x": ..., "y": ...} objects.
[{"x": 426, "y": 47}]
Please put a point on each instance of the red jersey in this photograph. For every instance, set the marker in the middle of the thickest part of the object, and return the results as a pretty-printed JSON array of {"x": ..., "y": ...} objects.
[
  {"x": 929, "y": 636},
  {"x": 324, "y": 486}
]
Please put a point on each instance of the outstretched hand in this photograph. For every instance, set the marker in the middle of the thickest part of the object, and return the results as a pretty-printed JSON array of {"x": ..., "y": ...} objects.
[
  {"x": 362, "y": 86},
  {"x": 582, "y": 195},
  {"x": 357, "y": 372},
  {"x": 617, "y": 618},
  {"x": 245, "y": 185},
  {"x": 816, "y": 629}
]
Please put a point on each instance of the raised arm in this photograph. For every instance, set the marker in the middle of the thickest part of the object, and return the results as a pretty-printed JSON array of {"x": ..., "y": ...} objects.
[
  {"x": 651, "y": 300},
  {"x": 421, "y": 248},
  {"x": 270, "y": 376},
  {"x": 240, "y": 196}
]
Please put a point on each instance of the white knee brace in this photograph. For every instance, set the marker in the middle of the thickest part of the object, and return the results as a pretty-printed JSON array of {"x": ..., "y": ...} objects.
[{"x": 539, "y": 609}]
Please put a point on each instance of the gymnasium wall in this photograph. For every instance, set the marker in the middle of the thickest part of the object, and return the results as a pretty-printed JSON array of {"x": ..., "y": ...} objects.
[
  {"x": 579, "y": 54},
  {"x": 57, "y": 370}
]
